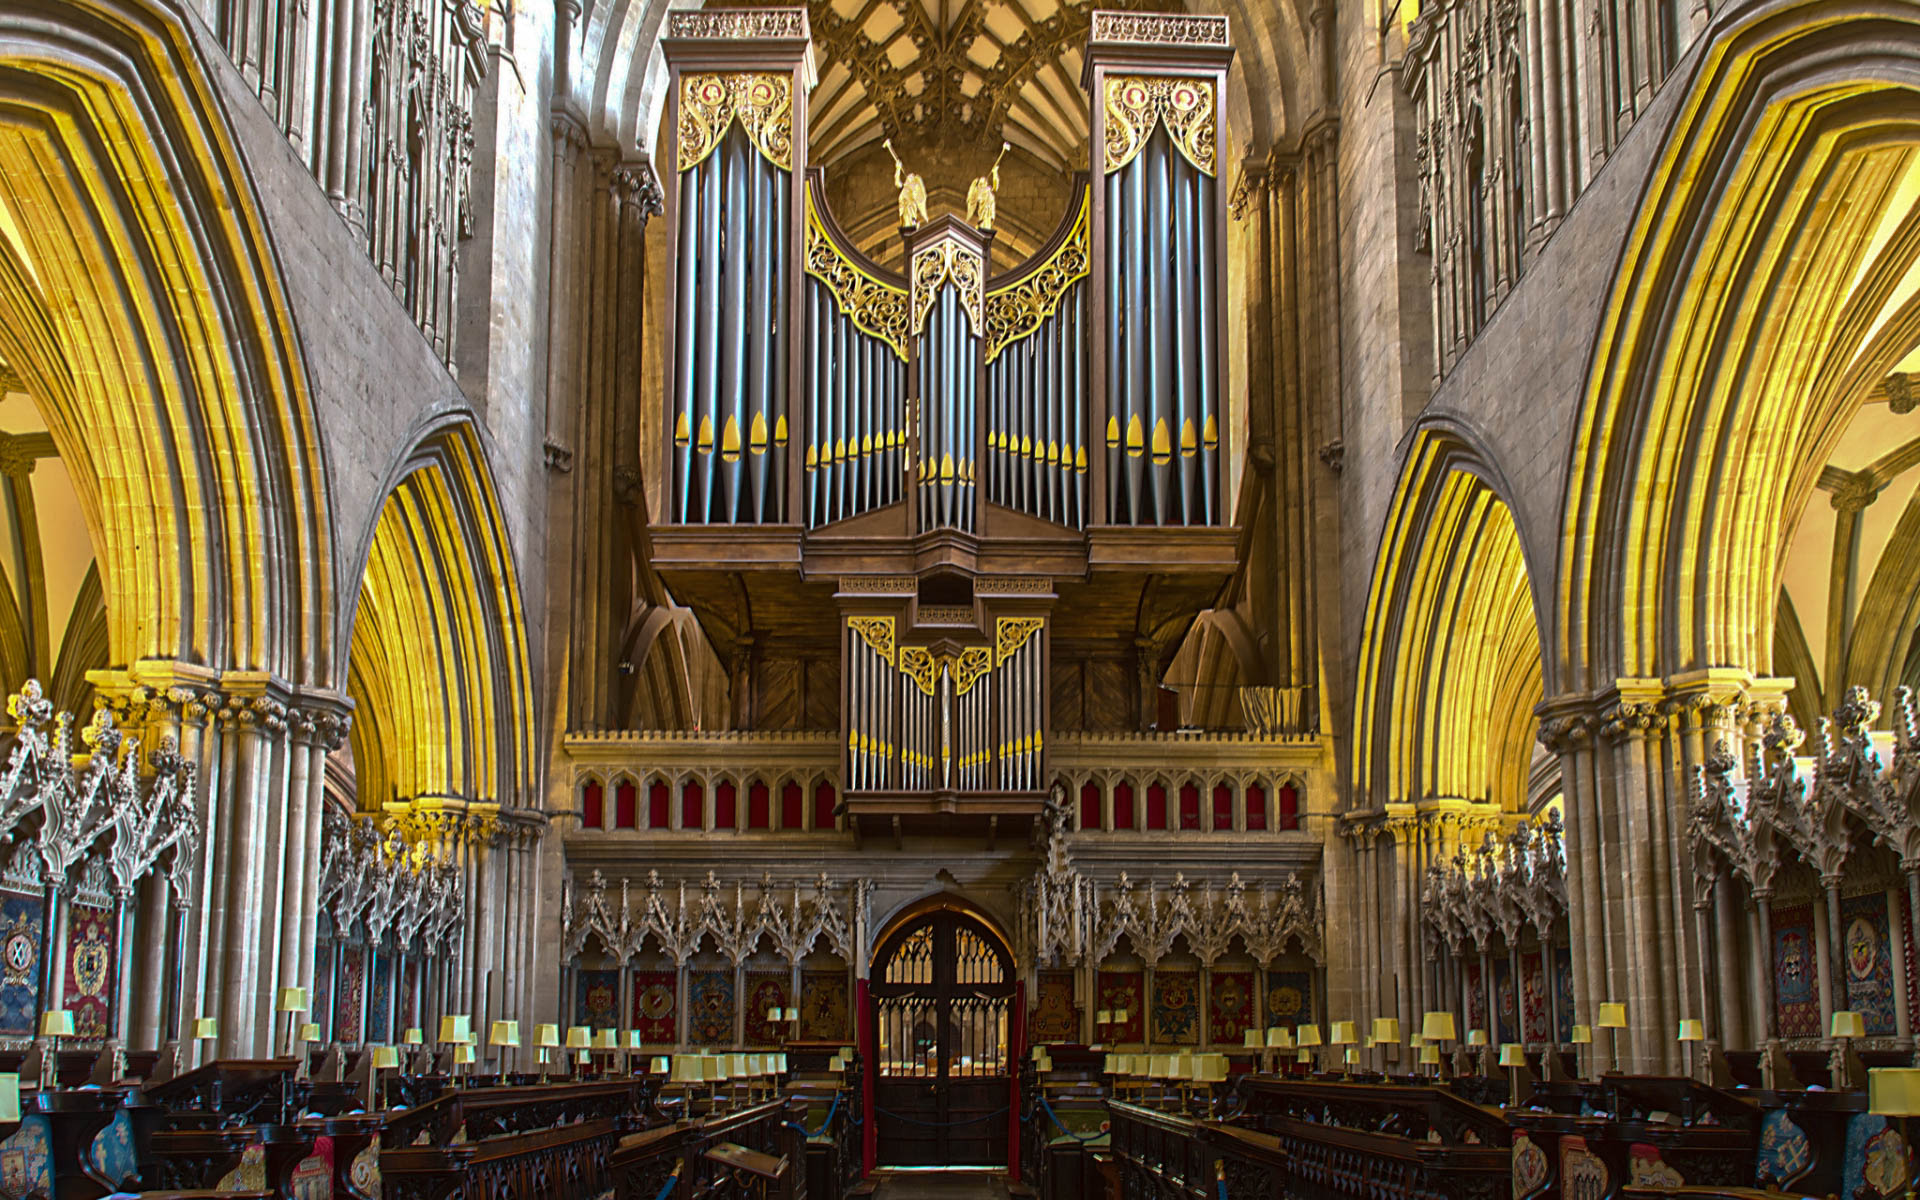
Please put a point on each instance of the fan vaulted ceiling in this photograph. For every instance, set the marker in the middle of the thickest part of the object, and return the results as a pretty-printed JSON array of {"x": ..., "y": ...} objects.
[{"x": 940, "y": 76}]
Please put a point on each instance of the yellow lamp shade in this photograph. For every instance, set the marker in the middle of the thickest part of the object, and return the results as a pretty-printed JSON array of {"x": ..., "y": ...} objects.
[
  {"x": 687, "y": 1069},
  {"x": 1103, "y": 1017},
  {"x": 1160, "y": 1066},
  {"x": 603, "y": 1039},
  {"x": 1438, "y": 1027},
  {"x": 579, "y": 1037},
  {"x": 416, "y": 1036},
  {"x": 836, "y": 1063},
  {"x": 1120, "y": 1016},
  {"x": 456, "y": 1029},
  {"x": 1253, "y": 1039},
  {"x": 463, "y": 1054},
  {"x": 1430, "y": 1055},
  {"x": 713, "y": 1067},
  {"x": 1512, "y": 1054},
  {"x": 1693, "y": 1031},
  {"x": 504, "y": 1033},
  {"x": 1386, "y": 1030},
  {"x": 1343, "y": 1033},
  {"x": 584, "y": 1057},
  {"x": 756, "y": 1065},
  {"x": 56, "y": 1024},
  {"x": 293, "y": 1000},
  {"x": 792, "y": 1014},
  {"x": 1353, "y": 1056},
  {"x": 1210, "y": 1068},
  {"x": 1111, "y": 1066},
  {"x": 206, "y": 1027},
  {"x": 1582, "y": 1036},
  {"x": 547, "y": 1037},
  {"x": 1894, "y": 1091},
  {"x": 1303, "y": 1055},
  {"x": 1279, "y": 1038},
  {"x": 737, "y": 1066},
  {"x": 1613, "y": 1015},
  {"x": 633, "y": 1039},
  {"x": 1039, "y": 1052},
  {"x": 1307, "y": 1035},
  {"x": 385, "y": 1058},
  {"x": 10, "y": 1096},
  {"x": 1848, "y": 1024},
  {"x": 1476, "y": 1037},
  {"x": 660, "y": 1065},
  {"x": 1183, "y": 1065},
  {"x": 310, "y": 1032},
  {"x": 1416, "y": 1041}
]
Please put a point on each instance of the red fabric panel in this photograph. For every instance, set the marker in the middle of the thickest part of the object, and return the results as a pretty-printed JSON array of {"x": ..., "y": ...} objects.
[
  {"x": 625, "y": 806},
  {"x": 1289, "y": 807},
  {"x": 823, "y": 802},
  {"x": 1222, "y": 807},
  {"x": 1090, "y": 806},
  {"x": 659, "y": 810},
  {"x": 1189, "y": 807},
  {"x": 792, "y": 797},
  {"x": 693, "y": 807},
  {"x": 592, "y": 806},
  {"x": 1256, "y": 806},
  {"x": 758, "y": 807},
  {"x": 1123, "y": 805},
  {"x": 1156, "y": 806},
  {"x": 725, "y": 801}
]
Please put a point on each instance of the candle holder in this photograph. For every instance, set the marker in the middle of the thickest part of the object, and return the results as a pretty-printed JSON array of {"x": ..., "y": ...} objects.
[
  {"x": 1613, "y": 1018},
  {"x": 293, "y": 1005},
  {"x": 205, "y": 1030},
  {"x": 1386, "y": 1033},
  {"x": 504, "y": 1036},
  {"x": 54, "y": 1025}
]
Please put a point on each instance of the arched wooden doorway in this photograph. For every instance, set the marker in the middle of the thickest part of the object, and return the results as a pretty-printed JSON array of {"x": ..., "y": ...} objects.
[{"x": 944, "y": 1030}]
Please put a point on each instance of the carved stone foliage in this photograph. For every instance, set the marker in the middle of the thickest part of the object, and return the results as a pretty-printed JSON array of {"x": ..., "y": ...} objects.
[
  {"x": 731, "y": 919},
  {"x": 1768, "y": 804},
  {"x": 67, "y": 813},
  {"x": 374, "y": 887},
  {"x": 1506, "y": 887}
]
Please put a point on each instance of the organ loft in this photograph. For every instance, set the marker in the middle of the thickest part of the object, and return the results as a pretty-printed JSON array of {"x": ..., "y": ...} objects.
[{"x": 959, "y": 599}]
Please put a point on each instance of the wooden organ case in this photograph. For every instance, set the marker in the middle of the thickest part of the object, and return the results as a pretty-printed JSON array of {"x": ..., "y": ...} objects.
[{"x": 896, "y": 500}]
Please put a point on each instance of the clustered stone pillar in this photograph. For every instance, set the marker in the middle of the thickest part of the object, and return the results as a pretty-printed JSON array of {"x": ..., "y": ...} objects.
[
  {"x": 1640, "y": 910},
  {"x": 260, "y": 749}
]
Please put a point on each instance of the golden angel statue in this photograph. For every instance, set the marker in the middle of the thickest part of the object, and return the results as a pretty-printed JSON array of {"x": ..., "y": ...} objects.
[
  {"x": 980, "y": 201},
  {"x": 913, "y": 192}
]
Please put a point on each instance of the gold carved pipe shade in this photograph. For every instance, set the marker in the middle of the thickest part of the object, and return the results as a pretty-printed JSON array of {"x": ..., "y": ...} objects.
[
  {"x": 1134, "y": 103},
  {"x": 876, "y": 308},
  {"x": 1021, "y": 308},
  {"x": 762, "y": 101}
]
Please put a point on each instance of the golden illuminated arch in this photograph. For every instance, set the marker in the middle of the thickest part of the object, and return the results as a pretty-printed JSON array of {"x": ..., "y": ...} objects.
[
  {"x": 1764, "y": 289},
  {"x": 142, "y": 308},
  {"x": 1450, "y": 668},
  {"x": 438, "y": 667}
]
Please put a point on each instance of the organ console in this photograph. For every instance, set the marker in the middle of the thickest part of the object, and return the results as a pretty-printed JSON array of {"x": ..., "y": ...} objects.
[{"x": 924, "y": 473}]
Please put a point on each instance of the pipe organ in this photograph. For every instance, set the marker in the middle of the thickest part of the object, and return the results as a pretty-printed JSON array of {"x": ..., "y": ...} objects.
[
  {"x": 972, "y": 450},
  {"x": 969, "y": 718}
]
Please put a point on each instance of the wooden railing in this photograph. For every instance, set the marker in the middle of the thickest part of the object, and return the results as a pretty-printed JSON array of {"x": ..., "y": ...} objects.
[
  {"x": 1627, "y": 1128},
  {"x": 1312, "y": 1140},
  {"x": 476, "y": 1114},
  {"x": 673, "y": 1161}
]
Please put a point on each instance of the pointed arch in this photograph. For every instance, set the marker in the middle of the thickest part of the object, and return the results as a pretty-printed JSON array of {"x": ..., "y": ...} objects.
[
  {"x": 144, "y": 311},
  {"x": 1762, "y": 291},
  {"x": 1450, "y": 665},
  {"x": 439, "y": 657}
]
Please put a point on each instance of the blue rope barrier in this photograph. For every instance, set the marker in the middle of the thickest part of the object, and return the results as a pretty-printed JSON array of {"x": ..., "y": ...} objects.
[
  {"x": 1055, "y": 1118},
  {"x": 666, "y": 1189},
  {"x": 810, "y": 1134}
]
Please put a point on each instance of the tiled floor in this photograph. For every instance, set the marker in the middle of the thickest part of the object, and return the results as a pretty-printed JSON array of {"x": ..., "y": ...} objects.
[{"x": 942, "y": 1185}]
